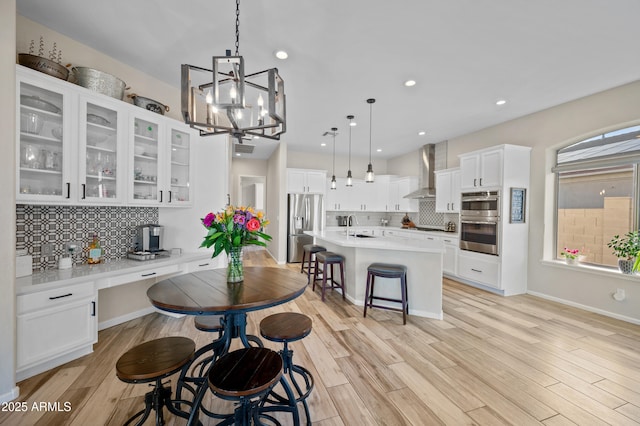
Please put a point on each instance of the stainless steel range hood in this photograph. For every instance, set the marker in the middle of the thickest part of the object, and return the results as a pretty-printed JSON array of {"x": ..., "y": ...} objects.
[{"x": 426, "y": 177}]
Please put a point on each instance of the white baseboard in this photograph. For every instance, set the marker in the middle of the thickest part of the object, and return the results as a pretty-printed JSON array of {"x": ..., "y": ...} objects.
[
  {"x": 11, "y": 395},
  {"x": 124, "y": 318},
  {"x": 585, "y": 307}
]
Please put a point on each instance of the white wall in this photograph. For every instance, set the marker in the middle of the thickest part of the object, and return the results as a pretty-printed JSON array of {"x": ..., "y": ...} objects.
[
  {"x": 276, "y": 210},
  {"x": 8, "y": 389},
  {"x": 546, "y": 131}
]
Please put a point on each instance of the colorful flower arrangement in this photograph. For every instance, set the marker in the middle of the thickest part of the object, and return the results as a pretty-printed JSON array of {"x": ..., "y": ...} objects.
[
  {"x": 570, "y": 253},
  {"x": 234, "y": 227}
]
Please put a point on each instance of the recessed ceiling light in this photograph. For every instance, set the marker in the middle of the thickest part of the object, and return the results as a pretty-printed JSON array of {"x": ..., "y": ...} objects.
[
  {"x": 379, "y": 150},
  {"x": 410, "y": 83},
  {"x": 256, "y": 137},
  {"x": 237, "y": 154},
  {"x": 353, "y": 124},
  {"x": 323, "y": 144},
  {"x": 501, "y": 102},
  {"x": 281, "y": 54},
  {"x": 422, "y": 133}
]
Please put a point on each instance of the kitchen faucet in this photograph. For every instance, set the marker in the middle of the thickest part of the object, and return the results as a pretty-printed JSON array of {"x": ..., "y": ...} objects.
[{"x": 349, "y": 222}]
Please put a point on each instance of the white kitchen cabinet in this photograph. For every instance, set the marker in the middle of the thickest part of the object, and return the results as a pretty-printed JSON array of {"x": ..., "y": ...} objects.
[
  {"x": 72, "y": 148},
  {"x": 45, "y": 141},
  {"x": 55, "y": 326},
  {"x": 306, "y": 181},
  {"x": 482, "y": 169},
  {"x": 450, "y": 257},
  {"x": 480, "y": 268},
  {"x": 160, "y": 172},
  {"x": 448, "y": 191},
  {"x": 398, "y": 188}
]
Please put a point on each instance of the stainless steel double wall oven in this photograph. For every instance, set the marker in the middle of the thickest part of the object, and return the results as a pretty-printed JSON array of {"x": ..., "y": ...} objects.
[{"x": 480, "y": 222}]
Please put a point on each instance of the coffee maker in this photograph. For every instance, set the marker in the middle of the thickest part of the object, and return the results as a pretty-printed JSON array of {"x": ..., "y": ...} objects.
[{"x": 149, "y": 237}]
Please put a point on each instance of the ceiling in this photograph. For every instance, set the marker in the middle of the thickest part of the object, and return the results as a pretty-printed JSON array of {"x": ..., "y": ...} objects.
[{"x": 464, "y": 55}]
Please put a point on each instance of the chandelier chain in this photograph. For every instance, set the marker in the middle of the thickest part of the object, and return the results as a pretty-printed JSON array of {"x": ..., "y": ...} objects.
[{"x": 237, "y": 27}]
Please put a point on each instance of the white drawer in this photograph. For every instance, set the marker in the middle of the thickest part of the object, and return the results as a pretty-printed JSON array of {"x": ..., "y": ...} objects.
[
  {"x": 201, "y": 265},
  {"x": 479, "y": 270},
  {"x": 55, "y": 297},
  {"x": 138, "y": 276}
]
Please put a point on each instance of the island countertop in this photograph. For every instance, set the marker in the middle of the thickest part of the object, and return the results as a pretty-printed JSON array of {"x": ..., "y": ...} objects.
[{"x": 340, "y": 238}]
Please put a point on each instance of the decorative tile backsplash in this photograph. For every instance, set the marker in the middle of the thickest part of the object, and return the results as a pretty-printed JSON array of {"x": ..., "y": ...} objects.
[{"x": 58, "y": 225}]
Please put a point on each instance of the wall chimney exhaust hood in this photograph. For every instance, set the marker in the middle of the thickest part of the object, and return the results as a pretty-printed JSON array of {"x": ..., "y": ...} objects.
[{"x": 426, "y": 177}]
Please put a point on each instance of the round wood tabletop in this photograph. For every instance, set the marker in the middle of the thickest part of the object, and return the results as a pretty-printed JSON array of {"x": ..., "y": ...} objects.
[{"x": 207, "y": 292}]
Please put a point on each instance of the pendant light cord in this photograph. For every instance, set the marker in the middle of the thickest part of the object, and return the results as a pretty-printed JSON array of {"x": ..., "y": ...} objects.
[
  {"x": 334, "y": 130},
  {"x": 237, "y": 27},
  {"x": 370, "y": 121},
  {"x": 350, "y": 126}
]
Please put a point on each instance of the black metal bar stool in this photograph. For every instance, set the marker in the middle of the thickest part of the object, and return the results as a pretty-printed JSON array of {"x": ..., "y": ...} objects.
[
  {"x": 387, "y": 270},
  {"x": 247, "y": 376},
  {"x": 151, "y": 362},
  {"x": 311, "y": 249},
  {"x": 329, "y": 258},
  {"x": 288, "y": 327}
]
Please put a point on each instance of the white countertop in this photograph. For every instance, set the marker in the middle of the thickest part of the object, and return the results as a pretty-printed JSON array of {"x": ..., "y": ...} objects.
[
  {"x": 53, "y": 278},
  {"x": 340, "y": 238}
]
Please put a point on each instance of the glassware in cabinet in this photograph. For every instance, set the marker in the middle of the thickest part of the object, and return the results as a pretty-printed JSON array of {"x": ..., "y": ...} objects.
[
  {"x": 101, "y": 154},
  {"x": 146, "y": 165},
  {"x": 43, "y": 147},
  {"x": 180, "y": 167}
]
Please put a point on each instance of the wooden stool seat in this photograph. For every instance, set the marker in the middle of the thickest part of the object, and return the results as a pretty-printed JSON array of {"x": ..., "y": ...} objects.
[
  {"x": 288, "y": 327},
  {"x": 246, "y": 372},
  {"x": 151, "y": 362},
  {"x": 285, "y": 326},
  {"x": 156, "y": 358},
  {"x": 329, "y": 258},
  {"x": 387, "y": 270},
  {"x": 209, "y": 323},
  {"x": 312, "y": 249}
]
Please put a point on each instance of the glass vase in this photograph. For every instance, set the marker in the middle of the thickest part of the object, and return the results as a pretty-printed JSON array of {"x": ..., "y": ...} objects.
[{"x": 235, "y": 268}]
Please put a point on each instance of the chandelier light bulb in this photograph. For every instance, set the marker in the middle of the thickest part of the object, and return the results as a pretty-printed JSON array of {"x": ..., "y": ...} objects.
[
  {"x": 233, "y": 93},
  {"x": 260, "y": 101},
  {"x": 209, "y": 97}
]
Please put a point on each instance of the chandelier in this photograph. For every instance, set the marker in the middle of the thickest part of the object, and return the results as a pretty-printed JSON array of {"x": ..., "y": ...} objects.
[{"x": 225, "y": 100}]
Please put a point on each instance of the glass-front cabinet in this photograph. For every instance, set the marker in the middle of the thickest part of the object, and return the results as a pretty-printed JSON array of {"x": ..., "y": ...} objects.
[
  {"x": 101, "y": 159},
  {"x": 44, "y": 141},
  {"x": 180, "y": 173},
  {"x": 147, "y": 156},
  {"x": 79, "y": 147}
]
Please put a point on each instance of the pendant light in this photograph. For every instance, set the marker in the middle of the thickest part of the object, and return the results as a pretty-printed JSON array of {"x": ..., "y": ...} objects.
[
  {"x": 225, "y": 100},
  {"x": 369, "y": 176},
  {"x": 334, "y": 131},
  {"x": 351, "y": 124}
]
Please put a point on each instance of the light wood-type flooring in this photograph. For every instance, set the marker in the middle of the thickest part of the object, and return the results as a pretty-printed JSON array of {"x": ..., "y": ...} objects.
[{"x": 493, "y": 360}]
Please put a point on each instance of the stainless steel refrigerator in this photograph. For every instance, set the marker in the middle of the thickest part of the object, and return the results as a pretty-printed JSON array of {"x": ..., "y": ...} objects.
[{"x": 304, "y": 214}]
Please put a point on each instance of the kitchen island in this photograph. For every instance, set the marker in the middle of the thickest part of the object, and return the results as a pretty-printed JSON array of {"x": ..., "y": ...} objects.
[{"x": 423, "y": 259}]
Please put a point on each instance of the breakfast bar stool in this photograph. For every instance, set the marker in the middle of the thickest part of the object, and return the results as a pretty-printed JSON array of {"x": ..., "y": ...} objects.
[
  {"x": 311, "y": 249},
  {"x": 151, "y": 362},
  {"x": 288, "y": 327},
  {"x": 387, "y": 270},
  {"x": 329, "y": 258},
  {"x": 246, "y": 376}
]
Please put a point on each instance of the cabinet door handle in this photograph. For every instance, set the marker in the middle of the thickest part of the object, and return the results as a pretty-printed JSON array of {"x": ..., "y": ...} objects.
[
  {"x": 474, "y": 182},
  {"x": 93, "y": 308},
  {"x": 447, "y": 241},
  {"x": 84, "y": 191},
  {"x": 170, "y": 195},
  {"x": 476, "y": 270},
  {"x": 60, "y": 297},
  {"x": 148, "y": 275},
  {"x": 203, "y": 264},
  {"x": 429, "y": 238},
  {"x": 68, "y": 189},
  {"x": 160, "y": 196},
  {"x": 480, "y": 181}
]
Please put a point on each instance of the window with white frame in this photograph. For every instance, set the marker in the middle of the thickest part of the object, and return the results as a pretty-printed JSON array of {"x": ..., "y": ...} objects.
[{"x": 597, "y": 193}]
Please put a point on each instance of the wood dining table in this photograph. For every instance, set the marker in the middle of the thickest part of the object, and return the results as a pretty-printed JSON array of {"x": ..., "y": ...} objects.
[{"x": 208, "y": 293}]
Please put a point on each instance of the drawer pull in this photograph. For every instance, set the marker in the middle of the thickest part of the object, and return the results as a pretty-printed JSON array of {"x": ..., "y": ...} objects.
[
  {"x": 203, "y": 264},
  {"x": 148, "y": 275},
  {"x": 93, "y": 308},
  {"x": 60, "y": 297},
  {"x": 476, "y": 270}
]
